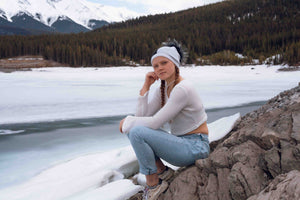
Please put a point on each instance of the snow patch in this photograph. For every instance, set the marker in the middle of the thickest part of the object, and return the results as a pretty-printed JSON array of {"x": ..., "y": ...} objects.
[
  {"x": 9, "y": 132},
  {"x": 239, "y": 55},
  {"x": 273, "y": 59},
  {"x": 221, "y": 127}
]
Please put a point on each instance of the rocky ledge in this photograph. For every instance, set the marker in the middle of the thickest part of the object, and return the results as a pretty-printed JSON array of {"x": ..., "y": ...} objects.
[{"x": 258, "y": 159}]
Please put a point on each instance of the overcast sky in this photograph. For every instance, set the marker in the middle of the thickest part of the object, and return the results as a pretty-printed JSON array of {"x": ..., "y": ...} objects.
[{"x": 155, "y": 6}]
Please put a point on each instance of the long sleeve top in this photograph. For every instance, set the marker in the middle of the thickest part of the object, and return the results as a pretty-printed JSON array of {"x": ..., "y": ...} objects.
[{"x": 183, "y": 110}]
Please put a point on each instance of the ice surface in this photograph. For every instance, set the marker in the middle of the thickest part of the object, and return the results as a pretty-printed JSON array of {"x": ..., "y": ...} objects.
[{"x": 69, "y": 93}]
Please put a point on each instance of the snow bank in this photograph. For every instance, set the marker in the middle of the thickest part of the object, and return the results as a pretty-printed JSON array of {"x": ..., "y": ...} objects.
[
  {"x": 118, "y": 190},
  {"x": 97, "y": 176},
  {"x": 221, "y": 127},
  {"x": 76, "y": 176}
]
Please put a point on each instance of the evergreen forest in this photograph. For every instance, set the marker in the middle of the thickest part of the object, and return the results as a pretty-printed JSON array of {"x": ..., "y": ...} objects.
[{"x": 212, "y": 34}]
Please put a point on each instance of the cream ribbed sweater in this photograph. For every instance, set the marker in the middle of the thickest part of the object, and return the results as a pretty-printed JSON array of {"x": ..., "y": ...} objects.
[{"x": 183, "y": 110}]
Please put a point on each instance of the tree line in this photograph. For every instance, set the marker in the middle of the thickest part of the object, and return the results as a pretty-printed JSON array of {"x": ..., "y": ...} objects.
[{"x": 255, "y": 28}]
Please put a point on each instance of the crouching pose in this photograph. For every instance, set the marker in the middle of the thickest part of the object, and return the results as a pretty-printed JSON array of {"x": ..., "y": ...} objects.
[{"x": 176, "y": 102}]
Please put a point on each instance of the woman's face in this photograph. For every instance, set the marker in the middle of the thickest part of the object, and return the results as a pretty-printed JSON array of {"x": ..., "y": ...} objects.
[{"x": 164, "y": 68}]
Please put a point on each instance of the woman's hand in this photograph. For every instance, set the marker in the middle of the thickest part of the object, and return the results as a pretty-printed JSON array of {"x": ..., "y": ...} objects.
[
  {"x": 121, "y": 125},
  {"x": 150, "y": 78}
]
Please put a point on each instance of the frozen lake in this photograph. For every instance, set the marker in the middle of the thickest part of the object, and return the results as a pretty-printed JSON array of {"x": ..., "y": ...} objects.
[
  {"x": 50, "y": 94},
  {"x": 52, "y": 115}
]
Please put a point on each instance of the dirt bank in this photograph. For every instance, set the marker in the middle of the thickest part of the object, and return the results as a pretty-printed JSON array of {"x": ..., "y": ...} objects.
[{"x": 24, "y": 63}]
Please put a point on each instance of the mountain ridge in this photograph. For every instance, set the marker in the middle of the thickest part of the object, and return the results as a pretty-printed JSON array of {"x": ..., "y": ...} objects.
[{"x": 79, "y": 15}]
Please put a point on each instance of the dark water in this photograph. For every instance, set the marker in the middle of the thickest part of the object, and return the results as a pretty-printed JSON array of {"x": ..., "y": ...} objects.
[
  {"x": 45, "y": 144},
  {"x": 217, "y": 113},
  {"x": 40, "y": 127}
]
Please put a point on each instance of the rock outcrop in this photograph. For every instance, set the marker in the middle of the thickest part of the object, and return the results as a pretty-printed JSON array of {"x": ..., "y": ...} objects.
[
  {"x": 258, "y": 159},
  {"x": 285, "y": 186}
]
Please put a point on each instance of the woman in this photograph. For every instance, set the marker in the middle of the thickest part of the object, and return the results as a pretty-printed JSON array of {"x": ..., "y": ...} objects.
[{"x": 176, "y": 103}]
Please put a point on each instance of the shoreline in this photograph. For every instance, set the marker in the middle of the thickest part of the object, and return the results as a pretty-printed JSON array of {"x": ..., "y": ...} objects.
[
  {"x": 29, "y": 62},
  {"x": 51, "y": 125},
  {"x": 26, "y": 63}
]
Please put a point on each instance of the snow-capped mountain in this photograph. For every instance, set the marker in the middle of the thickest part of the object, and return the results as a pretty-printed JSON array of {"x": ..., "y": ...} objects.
[{"x": 59, "y": 15}]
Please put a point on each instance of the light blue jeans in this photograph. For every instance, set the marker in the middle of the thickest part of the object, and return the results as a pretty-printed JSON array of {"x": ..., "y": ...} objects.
[{"x": 150, "y": 144}]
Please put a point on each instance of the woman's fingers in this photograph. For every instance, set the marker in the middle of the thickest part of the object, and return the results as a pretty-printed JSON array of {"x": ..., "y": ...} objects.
[
  {"x": 152, "y": 75},
  {"x": 121, "y": 125},
  {"x": 150, "y": 78}
]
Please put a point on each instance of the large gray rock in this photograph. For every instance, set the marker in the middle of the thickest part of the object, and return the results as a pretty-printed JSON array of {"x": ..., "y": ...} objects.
[
  {"x": 284, "y": 186},
  {"x": 264, "y": 145}
]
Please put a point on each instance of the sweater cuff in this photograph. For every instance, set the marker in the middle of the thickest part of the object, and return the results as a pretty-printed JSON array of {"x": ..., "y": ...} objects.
[
  {"x": 127, "y": 124},
  {"x": 141, "y": 105},
  {"x": 144, "y": 96}
]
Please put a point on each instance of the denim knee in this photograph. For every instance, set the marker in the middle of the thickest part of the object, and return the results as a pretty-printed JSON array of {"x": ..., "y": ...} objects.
[{"x": 136, "y": 132}]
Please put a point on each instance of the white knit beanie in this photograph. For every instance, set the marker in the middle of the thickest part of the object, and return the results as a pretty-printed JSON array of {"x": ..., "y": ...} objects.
[{"x": 169, "y": 52}]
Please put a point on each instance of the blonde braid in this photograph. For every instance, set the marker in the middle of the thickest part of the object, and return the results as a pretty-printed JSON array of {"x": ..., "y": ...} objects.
[
  {"x": 163, "y": 84},
  {"x": 176, "y": 76},
  {"x": 162, "y": 92}
]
